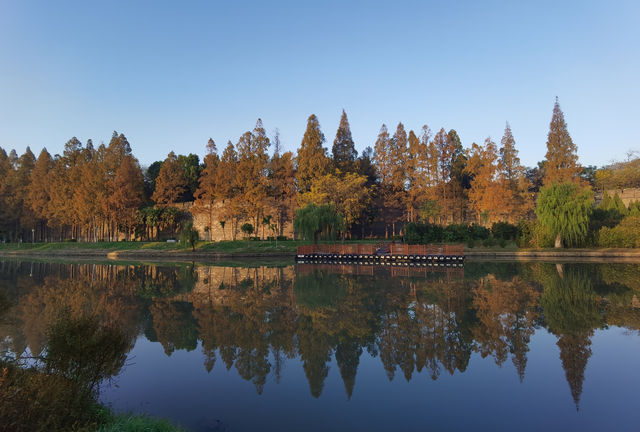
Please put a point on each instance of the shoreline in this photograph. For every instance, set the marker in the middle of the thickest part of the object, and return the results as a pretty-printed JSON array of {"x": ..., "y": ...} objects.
[{"x": 632, "y": 255}]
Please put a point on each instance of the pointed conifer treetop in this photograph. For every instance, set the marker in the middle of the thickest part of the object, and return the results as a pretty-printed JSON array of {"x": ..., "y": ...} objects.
[
  {"x": 510, "y": 162},
  {"x": 211, "y": 147},
  {"x": 561, "y": 158},
  {"x": 344, "y": 151},
  {"x": 276, "y": 143},
  {"x": 312, "y": 159},
  {"x": 381, "y": 156}
]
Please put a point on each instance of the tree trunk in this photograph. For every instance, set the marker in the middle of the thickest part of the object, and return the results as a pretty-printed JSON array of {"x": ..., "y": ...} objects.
[{"x": 558, "y": 243}]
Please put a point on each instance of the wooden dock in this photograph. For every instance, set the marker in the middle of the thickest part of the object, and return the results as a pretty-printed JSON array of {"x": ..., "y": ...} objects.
[{"x": 382, "y": 253}]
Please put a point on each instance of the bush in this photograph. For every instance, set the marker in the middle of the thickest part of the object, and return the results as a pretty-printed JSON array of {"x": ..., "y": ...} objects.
[
  {"x": 488, "y": 242},
  {"x": 247, "y": 229},
  {"x": 412, "y": 233},
  {"x": 478, "y": 232},
  {"x": 504, "y": 231},
  {"x": 282, "y": 238},
  {"x": 626, "y": 235},
  {"x": 456, "y": 233},
  {"x": 423, "y": 233}
]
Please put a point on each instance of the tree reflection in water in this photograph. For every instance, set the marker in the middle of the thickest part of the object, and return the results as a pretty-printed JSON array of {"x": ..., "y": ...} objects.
[{"x": 255, "y": 318}]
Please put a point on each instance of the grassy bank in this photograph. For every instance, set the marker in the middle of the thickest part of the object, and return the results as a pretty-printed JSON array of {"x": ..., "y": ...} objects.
[
  {"x": 287, "y": 247},
  {"x": 137, "y": 251}
]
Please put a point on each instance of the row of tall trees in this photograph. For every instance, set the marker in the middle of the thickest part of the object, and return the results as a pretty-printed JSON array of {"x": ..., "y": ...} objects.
[
  {"x": 93, "y": 193},
  {"x": 85, "y": 193}
]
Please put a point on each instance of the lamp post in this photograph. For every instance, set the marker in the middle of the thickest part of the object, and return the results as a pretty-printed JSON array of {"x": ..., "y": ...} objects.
[{"x": 33, "y": 235}]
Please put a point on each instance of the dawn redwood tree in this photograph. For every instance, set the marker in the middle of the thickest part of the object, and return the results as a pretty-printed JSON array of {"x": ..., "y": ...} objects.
[
  {"x": 388, "y": 157},
  {"x": 18, "y": 181},
  {"x": 191, "y": 168},
  {"x": 312, "y": 159},
  {"x": 228, "y": 191},
  {"x": 38, "y": 191},
  {"x": 561, "y": 158},
  {"x": 564, "y": 210},
  {"x": 171, "y": 183},
  {"x": 459, "y": 182},
  {"x": 281, "y": 185},
  {"x": 513, "y": 178},
  {"x": 6, "y": 213},
  {"x": 251, "y": 177},
  {"x": 487, "y": 196},
  {"x": 128, "y": 196},
  {"x": 417, "y": 172},
  {"x": 207, "y": 193},
  {"x": 344, "y": 152}
]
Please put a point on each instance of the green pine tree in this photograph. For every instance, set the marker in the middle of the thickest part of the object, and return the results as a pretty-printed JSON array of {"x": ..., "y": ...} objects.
[
  {"x": 561, "y": 158},
  {"x": 344, "y": 151}
]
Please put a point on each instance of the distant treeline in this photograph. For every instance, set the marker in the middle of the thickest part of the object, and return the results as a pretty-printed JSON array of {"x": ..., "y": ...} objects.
[{"x": 101, "y": 193}]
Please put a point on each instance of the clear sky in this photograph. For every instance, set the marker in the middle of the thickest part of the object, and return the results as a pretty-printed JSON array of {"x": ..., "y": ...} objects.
[{"x": 169, "y": 75}]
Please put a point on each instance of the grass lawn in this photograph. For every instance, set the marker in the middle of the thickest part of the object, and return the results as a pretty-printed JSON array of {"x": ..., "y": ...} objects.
[{"x": 223, "y": 247}]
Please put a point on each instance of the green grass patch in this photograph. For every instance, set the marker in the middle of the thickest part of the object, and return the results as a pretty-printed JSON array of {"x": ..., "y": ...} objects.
[{"x": 137, "y": 423}]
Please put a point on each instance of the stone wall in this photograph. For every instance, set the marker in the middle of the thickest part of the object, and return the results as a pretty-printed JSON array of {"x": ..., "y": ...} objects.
[
  {"x": 202, "y": 217},
  {"x": 626, "y": 195}
]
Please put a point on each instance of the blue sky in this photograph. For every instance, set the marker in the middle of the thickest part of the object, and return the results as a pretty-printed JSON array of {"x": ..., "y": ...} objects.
[{"x": 169, "y": 75}]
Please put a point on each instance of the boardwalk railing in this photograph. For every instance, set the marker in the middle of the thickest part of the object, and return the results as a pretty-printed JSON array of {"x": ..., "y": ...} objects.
[{"x": 393, "y": 249}]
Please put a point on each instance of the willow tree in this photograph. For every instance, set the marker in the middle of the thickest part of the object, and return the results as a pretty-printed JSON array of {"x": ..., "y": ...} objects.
[
  {"x": 564, "y": 209},
  {"x": 313, "y": 222}
]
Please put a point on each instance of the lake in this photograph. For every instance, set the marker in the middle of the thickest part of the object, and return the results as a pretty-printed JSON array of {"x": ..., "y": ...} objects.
[{"x": 245, "y": 346}]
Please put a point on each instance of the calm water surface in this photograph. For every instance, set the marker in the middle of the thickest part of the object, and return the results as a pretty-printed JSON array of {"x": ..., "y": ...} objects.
[{"x": 491, "y": 346}]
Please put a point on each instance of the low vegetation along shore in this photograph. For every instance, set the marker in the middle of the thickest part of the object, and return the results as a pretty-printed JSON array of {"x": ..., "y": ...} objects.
[{"x": 243, "y": 248}]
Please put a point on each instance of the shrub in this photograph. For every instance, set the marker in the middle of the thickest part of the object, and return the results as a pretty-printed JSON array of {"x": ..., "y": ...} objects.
[
  {"x": 282, "y": 238},
  {"x": 626, "y": 235},
  {"x": 247, "y": 229},
  {"x": 478, "y": 232},
  {"x": 456, "y": 233},
  {"x": 412, "y": 233},
  {"x": 488, "y": 242},
  {"x": 504, "y": 231}
]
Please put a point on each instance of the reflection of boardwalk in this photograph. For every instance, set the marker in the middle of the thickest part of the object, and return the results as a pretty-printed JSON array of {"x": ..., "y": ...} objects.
[{"x": 391, "y": 270}]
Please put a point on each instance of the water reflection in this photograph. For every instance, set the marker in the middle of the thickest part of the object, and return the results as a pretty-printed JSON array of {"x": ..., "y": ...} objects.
[{"x": 254, "y": 319}]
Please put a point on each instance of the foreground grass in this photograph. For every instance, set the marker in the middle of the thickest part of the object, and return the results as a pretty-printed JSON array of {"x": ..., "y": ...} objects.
[{"x": 137, "y": 423}]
